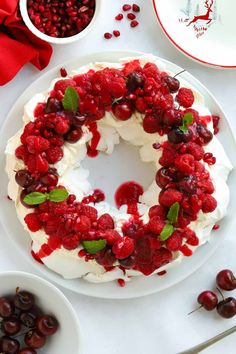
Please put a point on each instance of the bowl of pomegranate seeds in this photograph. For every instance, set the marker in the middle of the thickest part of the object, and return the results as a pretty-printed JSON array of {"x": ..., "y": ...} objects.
[
  {"x": 35, "y": 316},
  {"x": 59, "y": 22}
]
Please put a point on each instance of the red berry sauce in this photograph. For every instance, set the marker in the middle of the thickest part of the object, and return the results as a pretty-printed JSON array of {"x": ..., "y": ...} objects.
[{"x": 182, "y": 177}]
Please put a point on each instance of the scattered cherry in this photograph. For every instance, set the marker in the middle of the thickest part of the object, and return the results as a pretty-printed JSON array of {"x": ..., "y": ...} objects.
[
  {"x": 24, "y": 178},
  {"x": 171, "y": 82},
  {"x": 227, "y": 307},
  {"x": 53, "y": 105},
  {"x": 47, "y": 325},
  {"x": 122, "y": 111},
  {"x": 23, "y": 300},
  {"x": 134, "y": 81},
  {"x": 225, "y": 280},
  {"x": 11, "y": 326},
  {"x": 208, "y": 300}
]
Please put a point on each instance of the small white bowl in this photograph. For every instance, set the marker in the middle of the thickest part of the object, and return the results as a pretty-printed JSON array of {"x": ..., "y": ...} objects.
[
  {"x": 68, "y": 337},
  {"x": 66, "y": 40}
]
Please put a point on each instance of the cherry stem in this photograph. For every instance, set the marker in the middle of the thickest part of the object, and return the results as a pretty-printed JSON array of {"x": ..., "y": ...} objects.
[
  {"x": 181, "y": 72},
  {"x": 195, "y": 310},
  {"x": 221, "y": 293}
]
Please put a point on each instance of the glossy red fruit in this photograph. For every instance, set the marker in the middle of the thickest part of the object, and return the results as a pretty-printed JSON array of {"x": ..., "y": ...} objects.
[
  {"x": 122, "y": 111},
  {"x": 6, "y": 308},
  {"x": 225, "y": 280},
  {"x": 227, "y": 307},
  {"x": 150, "y": 124},
  {"x": 123, "y": 248},
  {"x": 24, "y": 300},
  {"x": 208, "y": 299},
  {"x": 24, "y": 178},
  {"x": 27, "y": 351},
  {"x": 9, "y": 345},
  {"x": 74, "y": 135},
  {"x": 34, "y": 339},
  {"x": 47, "y": 325},
  {"x": 11, "y": 326}
]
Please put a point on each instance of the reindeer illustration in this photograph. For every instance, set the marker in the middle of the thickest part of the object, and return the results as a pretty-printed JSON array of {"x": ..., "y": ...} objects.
[{"x": 205, "y": 17}]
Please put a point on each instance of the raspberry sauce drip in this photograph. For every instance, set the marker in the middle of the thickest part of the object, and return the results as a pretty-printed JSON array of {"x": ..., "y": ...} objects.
[
  {"x": 128, "y": 193},
  {"x": 92, "y": 148},
  {"x": 47, "y": 248}
]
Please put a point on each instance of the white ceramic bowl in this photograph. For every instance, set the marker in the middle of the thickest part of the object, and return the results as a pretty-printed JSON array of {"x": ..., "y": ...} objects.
[
  {"x": 52, "y": 301},
  {"x": 67, "y": 40}
]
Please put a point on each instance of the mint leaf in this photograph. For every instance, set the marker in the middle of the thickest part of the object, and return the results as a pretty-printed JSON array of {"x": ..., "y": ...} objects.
[
  {"x": 71, "y": 100},
  {"x": 35, "y": 198},
  {"x": 93, "y": 247},
  {"x": 173, "y": 213},
  {"x": 58, "y": 195},
  {"x": 166, "y": 232},
  {"x": 186, "y": 122}
]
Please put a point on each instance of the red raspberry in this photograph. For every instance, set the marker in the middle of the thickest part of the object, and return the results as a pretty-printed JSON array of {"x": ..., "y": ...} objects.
[
  {"x": 36, "y": 144},
  {"x": 162, "y": 257},
  {"x": 57, "y": 140},
  {"x": 131, "y": 66},
  {"x": 54, "y": 154},
  {"x": 185, "y": 97},
  {"x": 151, "y": 70},
  {"x": 174, "y": 242},
  {"x": 209, "y": 204},
  {"x": 52, "y": 224},
  {"x": 206, "y": 186},
  {"x": 82, "y": 224},
  {"x": 62, "y": 127},
  {"x": 105, "y": 222},
  {"x": 70, "y": 242},
  {"x": 123, "y": 248},
  {"x": 28, "y": 130},
  {"x": 157, "y": 211},
  {"x": 141, "y": 104},
  {"x": 156, "y": 225},
  {"x": 196, "y": 203},
  {"x": 32, "y": 222},
  {"x": 185, "y": 163},
  {"x": 22, "y": 153},
  {"x": 89, "y": 211},
  {"x": 199, "y": 168},
  {"x": 195, "y": 150},
  {"x": 169, "y": 197},
  {"x": 191, "y": 237},
  {"x": 61, "y": 85},
  {"x": 111, "y": 236},
  {"x": 150, "y": 124},
  {"x": 168, "y": 155},
  {"x": 41, "y": 164}
]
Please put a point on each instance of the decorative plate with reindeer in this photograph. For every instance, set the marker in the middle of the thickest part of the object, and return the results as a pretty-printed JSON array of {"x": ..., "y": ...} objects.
[{"x": 204, "y": 30}]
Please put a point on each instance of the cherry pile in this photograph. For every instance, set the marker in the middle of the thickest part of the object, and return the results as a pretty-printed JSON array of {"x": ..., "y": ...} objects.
[
  {"x": 61, "y": 18},
  {"x": 23, "y": 325},
  {"x": 130, "y": 12},
  {"x": 227, "y": 306},
  {"x": 183, "y": 178}
]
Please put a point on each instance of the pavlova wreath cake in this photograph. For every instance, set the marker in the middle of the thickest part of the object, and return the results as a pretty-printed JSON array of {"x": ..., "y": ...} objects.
[{"x": 74, "y": 231}]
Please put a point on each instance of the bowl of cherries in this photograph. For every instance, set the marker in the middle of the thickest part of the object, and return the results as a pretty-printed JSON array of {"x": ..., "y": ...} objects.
[{"x": 35, "y": 317}]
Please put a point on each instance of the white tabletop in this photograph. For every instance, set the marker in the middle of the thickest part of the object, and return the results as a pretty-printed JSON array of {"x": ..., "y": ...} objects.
[{"x": 157, "y": 323}]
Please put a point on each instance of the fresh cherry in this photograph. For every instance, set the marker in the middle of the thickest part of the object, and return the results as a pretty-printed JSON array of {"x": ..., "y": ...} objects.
[
  {"x": 122, "y": 111},
  {"x": 53, "y": 105},
  {"x": 171, "y": 82},
  {"x": 225, "y": 280},
  {"x": 49, "y": 179},
  {"x": 163, "y": 177},
  {"x": 77, "y": 120},
  {"x": 188, "y": 184},
  {"x": 172, "y": 117},
  {"x": 208, "y": 300},
  {"x": 127, "y": 263},
  {"x": 24, "y": 178},
  {"x": 205, "y": 134},
  {"x": 74, "y": 135},
  {"x": 134, "y": 81},
  {"x": 9, "y": 345},
  {"x": 34, "y": 339},
  {"x": 11, "y": 326},
  {"x": 177, "y": 136},
  {"x": 27, "y": 351},
  {"x": 47, "y": 325},
  {"x": 227, "y": 307},
  {"x": 6, "y": 308},
  {"x": 23, "y": 300},
  {"x": 28, "y": 318}
]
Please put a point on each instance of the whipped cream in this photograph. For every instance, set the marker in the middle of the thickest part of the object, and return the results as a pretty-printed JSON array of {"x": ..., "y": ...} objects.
[{"x": 75, "y": 178}]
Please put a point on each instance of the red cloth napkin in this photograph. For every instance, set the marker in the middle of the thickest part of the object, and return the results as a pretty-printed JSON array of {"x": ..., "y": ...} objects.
[{"x": 18, "y": 45}]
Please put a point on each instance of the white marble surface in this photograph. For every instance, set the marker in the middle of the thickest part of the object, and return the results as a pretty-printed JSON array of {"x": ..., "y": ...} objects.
[{"x": 157, "y": 323}]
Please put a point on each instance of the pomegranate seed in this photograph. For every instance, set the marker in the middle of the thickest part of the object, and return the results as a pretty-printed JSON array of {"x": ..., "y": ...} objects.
[
  {"x": 135, "y": 8},
  {"x": 121, "y": 282},
  {"x": 63, "y": 72},
  {"x": 209, "y": 158},
  {"x": 107, "y": 35},
  {"x": 216, "y": 227},
  {"x": 126, "y": 7},
  {"x": 134, "y": 23},
  {"x": 116, "y": 33},
  {"x": 119, "y": 17},
  {"x": 162, "y": 273},
  {"x": 131, "y": 16}
]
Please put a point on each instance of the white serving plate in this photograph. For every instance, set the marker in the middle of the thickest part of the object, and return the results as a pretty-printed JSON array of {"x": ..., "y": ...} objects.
[
  {"x": 51, "y": 300},
  {"x": 210, "y": 39},
  {"x": 139, "y": 286}
]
